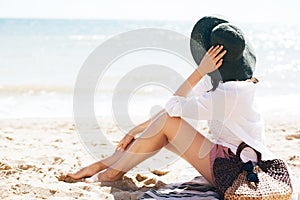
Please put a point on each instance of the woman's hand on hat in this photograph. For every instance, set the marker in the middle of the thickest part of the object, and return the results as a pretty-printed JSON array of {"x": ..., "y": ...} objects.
[{"x": 212, "y": 60}]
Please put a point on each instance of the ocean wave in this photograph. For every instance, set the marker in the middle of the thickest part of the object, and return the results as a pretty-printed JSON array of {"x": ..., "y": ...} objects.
[
  {"x": 68, "y": 90},
  {"x": 34, "y": 89},
  {"x": 87, "y": 37}
]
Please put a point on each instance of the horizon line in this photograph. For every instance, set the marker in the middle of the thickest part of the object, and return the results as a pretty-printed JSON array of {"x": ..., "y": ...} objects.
[{"x": 139, "y": 19}]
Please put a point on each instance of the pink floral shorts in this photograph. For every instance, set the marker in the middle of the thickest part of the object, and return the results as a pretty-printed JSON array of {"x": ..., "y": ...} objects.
[{"x": 218, "y": 151}]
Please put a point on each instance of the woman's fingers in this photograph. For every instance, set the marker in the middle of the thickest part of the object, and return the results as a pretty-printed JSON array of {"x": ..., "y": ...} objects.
[
  {"x": 219, "y": 63},
  {"x": 212, "y": 60},
  {"x": 124, "y": 143},
  {"x": 210, "y": 49},
  {"x": 220, "y": 55},
  {"x": 118, "y": 147},
  {"x": 215, "y": 51},
  {"x": 215, "y": 54}
]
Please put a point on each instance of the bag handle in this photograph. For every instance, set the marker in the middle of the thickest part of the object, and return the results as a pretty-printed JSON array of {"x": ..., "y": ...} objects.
[{"x": 244, "y": 145}]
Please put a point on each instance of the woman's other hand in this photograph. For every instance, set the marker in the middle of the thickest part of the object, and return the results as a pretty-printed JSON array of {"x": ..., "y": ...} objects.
[
  {"x": 212, "y": 60},
  {"x": 126, "y": 140}
]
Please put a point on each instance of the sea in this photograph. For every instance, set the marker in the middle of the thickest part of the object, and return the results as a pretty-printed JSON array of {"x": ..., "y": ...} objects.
[{"x": 41, "y": 60}]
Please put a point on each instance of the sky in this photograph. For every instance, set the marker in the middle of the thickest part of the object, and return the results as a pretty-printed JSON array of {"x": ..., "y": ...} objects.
[{"x": 239, "y": 10}]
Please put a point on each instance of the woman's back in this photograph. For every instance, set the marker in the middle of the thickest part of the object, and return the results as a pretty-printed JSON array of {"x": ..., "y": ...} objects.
[{"x": 230, "y": 112}]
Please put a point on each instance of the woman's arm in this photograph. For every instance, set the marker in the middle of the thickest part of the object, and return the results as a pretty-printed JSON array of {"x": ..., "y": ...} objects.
[
  {"x": 129, "y": 137},
  {"x": 210, "y": 62}
]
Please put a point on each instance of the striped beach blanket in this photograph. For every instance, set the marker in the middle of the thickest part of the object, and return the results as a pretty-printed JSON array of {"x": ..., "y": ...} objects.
[{"x": 198, "y": 188}]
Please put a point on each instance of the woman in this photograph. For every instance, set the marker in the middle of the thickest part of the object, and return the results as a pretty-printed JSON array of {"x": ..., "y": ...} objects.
[{"x": 224, "y": 97}]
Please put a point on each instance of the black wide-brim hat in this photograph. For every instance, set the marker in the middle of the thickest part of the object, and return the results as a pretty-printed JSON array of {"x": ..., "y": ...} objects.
[{"x": 239, "y": 61}]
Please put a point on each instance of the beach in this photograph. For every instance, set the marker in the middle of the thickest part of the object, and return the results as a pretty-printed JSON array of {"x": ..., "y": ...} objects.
[
  {"x": 40, "y": 141},
  {"x": 36, "y": 154}
]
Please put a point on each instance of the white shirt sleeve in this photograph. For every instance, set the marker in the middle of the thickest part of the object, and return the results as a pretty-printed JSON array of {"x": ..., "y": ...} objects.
[
  {"x": 191, "y": 107},
  {"x": 202, "y": 86},
  {"x": 197, "y": 105}
]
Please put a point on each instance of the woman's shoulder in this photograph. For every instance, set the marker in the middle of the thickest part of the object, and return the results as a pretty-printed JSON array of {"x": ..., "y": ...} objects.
[
  {"x": 239, "y": 86},
  {"x": 237, "y": 93}
]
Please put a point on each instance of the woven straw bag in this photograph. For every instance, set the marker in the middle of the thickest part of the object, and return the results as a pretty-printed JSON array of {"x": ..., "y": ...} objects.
[{"x": 268, "y": 180}]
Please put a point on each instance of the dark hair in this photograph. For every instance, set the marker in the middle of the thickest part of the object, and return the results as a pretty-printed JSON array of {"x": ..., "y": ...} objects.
[{"x": 216, "y": 78}]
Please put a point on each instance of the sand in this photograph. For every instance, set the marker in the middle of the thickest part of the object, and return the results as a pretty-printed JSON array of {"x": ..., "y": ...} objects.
[{"x": 35, "y": 155}]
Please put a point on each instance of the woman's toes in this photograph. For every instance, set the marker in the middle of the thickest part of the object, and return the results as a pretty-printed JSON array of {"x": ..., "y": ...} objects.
[
  {"x": 74, "y": 176},
  {"x": 78, "y": 175}
]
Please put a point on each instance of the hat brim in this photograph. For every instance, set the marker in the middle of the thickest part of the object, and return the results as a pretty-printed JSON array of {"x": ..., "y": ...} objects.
[
  {"x": 241, "y": 69},
  {"x": 200, "y": 36}
]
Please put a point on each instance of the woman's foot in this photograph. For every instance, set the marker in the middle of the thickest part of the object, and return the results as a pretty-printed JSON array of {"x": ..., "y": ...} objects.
[
  {"x": 88, "y": 171},
  {"x": 108, "y": 175}
]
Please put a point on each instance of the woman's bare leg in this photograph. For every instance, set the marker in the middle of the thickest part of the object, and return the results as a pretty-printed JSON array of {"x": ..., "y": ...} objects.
[
  {"x": 98, "y": 166},
  {"x": 189, "y": 144}
]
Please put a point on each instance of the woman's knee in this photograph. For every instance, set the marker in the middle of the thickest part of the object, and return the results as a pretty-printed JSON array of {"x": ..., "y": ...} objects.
[
  {"x": 165, "y": 124},
  {"x": 171, "y": 124}
]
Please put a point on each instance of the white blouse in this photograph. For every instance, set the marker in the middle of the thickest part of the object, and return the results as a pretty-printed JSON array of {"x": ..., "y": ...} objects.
[{"x": 229, "y": 111}]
